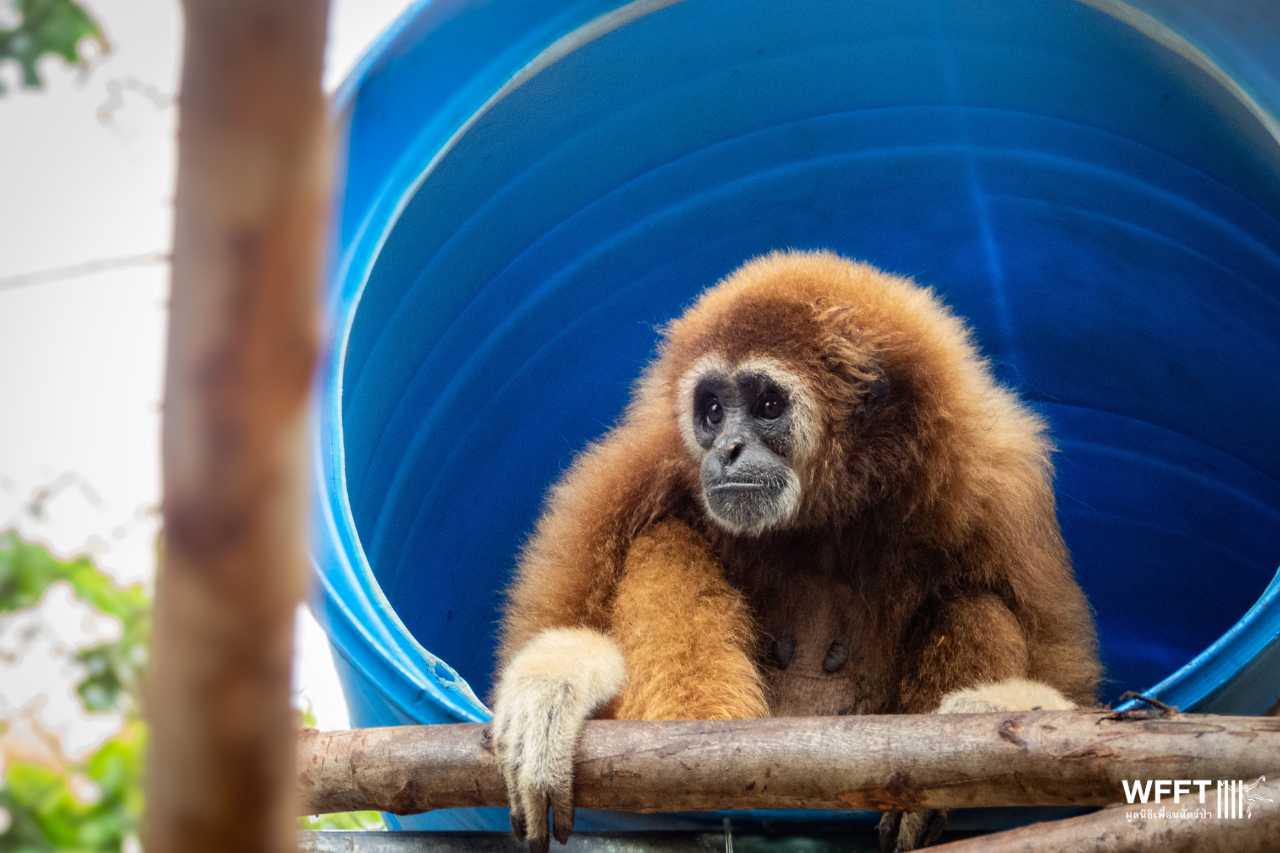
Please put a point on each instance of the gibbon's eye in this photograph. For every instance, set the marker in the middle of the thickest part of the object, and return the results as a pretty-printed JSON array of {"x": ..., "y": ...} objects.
[
  {"x": 772, "y": 405},
  {"x": 712, "y": 411}
]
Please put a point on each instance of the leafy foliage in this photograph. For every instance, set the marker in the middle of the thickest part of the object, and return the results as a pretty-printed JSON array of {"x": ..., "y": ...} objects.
[
  {"x": 47, "y": 814},
  {"x": 45, "y": 810},
  {"x": 47, "y": 806},
  {"x": 112, "y": 670},
  {"x": 57, "y": 27}
]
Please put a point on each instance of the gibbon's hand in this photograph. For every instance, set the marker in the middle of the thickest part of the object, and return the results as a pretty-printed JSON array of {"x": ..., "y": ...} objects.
[
  {"x": 547, "y": 691},
  {"x": 913, "y": 830}
]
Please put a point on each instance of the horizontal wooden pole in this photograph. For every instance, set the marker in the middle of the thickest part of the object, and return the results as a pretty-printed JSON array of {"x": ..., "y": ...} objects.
[
  {"x": 855, "y": 762},
  {"x": 1125, "y": 829}
]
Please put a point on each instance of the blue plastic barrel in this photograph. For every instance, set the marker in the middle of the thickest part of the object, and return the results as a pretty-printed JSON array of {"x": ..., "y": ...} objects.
[{"x": 531, "y": 188}]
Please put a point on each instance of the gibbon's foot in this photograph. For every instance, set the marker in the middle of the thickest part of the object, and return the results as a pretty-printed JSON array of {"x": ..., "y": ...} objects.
[
  {"x": 913, "y": 830},
  {"x": 548, "y": 690}
]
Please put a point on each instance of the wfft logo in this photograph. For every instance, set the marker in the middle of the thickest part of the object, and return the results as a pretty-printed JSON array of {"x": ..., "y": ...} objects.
[{"x": 1233, "y": 798}]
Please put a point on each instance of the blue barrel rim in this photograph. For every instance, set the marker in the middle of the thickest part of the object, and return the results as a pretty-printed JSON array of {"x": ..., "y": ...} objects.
[{"x": 380, "y": 646}]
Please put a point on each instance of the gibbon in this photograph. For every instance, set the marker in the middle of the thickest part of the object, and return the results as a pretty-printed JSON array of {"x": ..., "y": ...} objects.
[{"x": 818, "y": 502}]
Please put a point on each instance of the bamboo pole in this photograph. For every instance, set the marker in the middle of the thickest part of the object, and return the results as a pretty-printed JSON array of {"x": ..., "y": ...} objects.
[
  {"x": 873, "y": 762},
  {"x": 253, "y": 197}
]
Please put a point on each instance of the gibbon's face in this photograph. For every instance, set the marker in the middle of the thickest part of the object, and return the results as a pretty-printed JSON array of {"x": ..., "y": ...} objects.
[
  {"x": 807, "y": 388},
  {"x": 748, "y": 424}
]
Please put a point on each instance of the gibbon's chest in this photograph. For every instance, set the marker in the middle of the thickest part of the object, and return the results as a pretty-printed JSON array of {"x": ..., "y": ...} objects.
[{"x": 820, "y": 652}]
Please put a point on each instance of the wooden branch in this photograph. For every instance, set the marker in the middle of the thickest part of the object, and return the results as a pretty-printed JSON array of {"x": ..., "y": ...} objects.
[
  {"x": 874, "y": 762},
  {"x": 1122, "y": 829},
  {"x": 253, "y": 199}
]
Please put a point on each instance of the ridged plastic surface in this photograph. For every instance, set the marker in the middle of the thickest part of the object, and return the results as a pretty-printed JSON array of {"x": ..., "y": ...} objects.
[{"x": 532, "y": 188}]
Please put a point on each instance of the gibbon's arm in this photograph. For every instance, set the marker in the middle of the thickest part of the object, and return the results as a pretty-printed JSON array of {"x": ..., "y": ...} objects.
[
  {"x": 557, "y": 667},
  {"x": 913, "y": 830},
  {"x": 974, "y": 654},
  {"x": 686, "y": 636},
  {"x": 967, "y": 641},
  {"x": 686, "y": 633},
  {"x": 569, "y": 571},
  {"x": 974, "y": 660},
  {"x": 980, "y": 658}
]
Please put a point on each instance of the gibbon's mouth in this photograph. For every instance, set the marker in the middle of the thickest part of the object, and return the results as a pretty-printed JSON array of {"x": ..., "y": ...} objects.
[
  {"x": 724, "y": 487},
  {"x": 750, "y": 506}
]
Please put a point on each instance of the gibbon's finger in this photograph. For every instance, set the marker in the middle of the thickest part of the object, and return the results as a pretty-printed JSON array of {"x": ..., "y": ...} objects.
[
  {"x": 889, "y": 825},
  {"x": 506, "y": 753},
  {"x": 519, "y": 825},
  {"x": 562, "y": 813},
  {"x": 535, "y": 815},
  {"x": 920, "y": 829},
  {"x": 540, "y": 767},
  {"x": 934, "y": 824},
  {"x": 564, "y": 725}
]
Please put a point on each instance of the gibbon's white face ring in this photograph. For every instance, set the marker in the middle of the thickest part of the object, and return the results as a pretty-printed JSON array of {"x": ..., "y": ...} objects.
[{"x": 742, "y": 510}]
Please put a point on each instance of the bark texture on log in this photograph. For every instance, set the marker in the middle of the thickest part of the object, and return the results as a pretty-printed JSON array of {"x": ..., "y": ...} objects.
[
  {"x": 253, "y": 199},
  {"x": 1114, "y": 831},
  {"x": 875, "y": 762}
]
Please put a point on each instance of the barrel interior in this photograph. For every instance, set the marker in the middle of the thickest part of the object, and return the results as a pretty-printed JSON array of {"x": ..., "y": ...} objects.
[{"x": 1101, "y": 210}]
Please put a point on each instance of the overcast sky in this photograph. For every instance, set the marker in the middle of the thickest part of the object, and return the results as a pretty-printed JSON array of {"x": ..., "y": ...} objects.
[{"x": 86, "y": 177}]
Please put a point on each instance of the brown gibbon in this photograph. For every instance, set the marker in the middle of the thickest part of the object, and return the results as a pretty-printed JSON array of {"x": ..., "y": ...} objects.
[{"x": 818, "y": 502}]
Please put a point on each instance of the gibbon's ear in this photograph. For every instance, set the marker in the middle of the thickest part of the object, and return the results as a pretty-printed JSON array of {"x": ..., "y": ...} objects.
[
  {"x": 850, "y": 353},
  {"x": 877, "y": 391},
  {"x": 856, "y": 357}
]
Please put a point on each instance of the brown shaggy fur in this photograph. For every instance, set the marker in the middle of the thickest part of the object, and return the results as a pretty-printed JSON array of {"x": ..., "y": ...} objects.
[
  {"x": 926, "y": 541},
  {"x": 704, "y": 669}
]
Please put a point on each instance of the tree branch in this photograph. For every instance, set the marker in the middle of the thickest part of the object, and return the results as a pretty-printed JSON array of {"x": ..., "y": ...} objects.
[
  {"x": 252, "y": 204},
  {"x": 71, "y": 271},
  {"x": 873, "y": 762},
  {"x": 1118, "y": 830}
]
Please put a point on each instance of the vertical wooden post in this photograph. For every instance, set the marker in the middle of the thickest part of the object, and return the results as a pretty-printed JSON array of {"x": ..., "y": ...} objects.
[{"x": 251, "y": 214}]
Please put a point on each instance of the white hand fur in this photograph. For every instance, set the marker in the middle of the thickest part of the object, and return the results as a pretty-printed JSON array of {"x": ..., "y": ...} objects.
[
  {"x": 1012, "y": 694},
  {"x": 548, "y": 690}
]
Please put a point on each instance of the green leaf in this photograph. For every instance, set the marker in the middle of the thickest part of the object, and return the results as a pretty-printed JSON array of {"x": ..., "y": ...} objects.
[
  {"x": 112, "y": 670},
  {"x": 57, "y": 27},
  {"x": 116, "y": 766},
  {"x": 26, "y": 571},
  {"x": 24, "y": 834},
  {"x": 44, "y": 812},
  {"x": 46, "y": 798},
  {"x": 110, "y": 675}
]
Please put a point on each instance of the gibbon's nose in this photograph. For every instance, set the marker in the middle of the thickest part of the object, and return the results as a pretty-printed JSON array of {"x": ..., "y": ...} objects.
[{"x": 731, "y": 450}]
